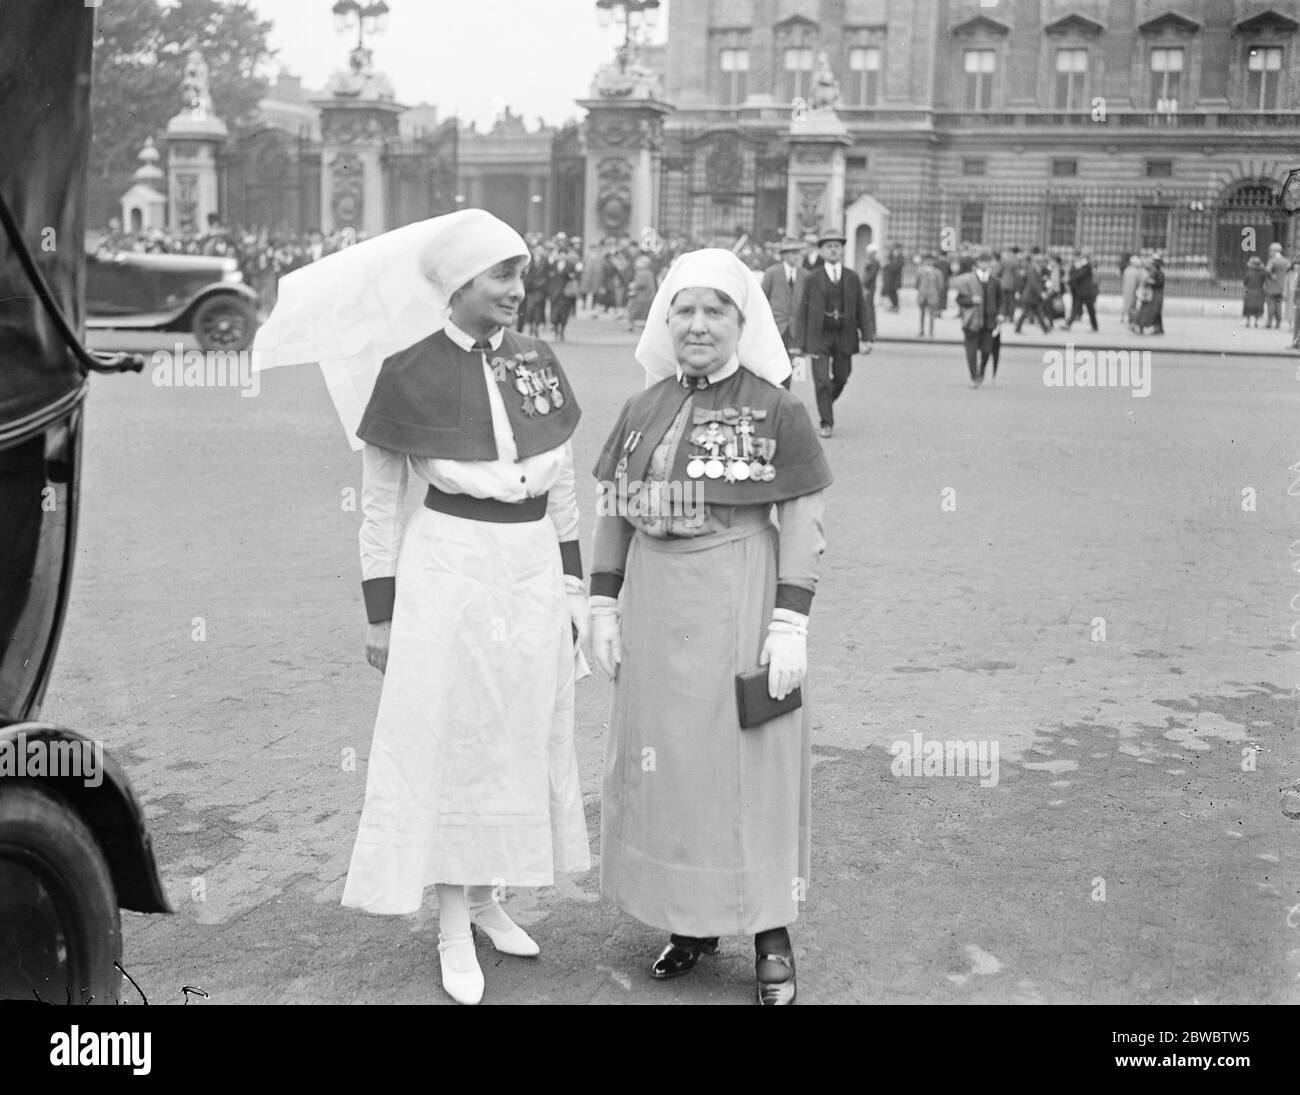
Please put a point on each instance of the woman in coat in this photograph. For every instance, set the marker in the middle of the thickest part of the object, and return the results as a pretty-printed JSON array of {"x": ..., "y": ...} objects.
[
  {"x": 593, "y": 277},
  {"x": 1252, "y": 304},
  {"x": 928, "y": 284},
  {"x": 1130, "y": 281},
  {"x": 1151, "y": 299},
  {"x": 1083, "y": 291},
  {"x": 704, "y": 825},
  {"x": 473, "y": 777},
  {"x": 535, "y": 292},
  {"x": 641, "y": 293},
  {"x": 562, "y": 287},
  {"x": 891, "y": 277},
  {"x": 1031, "y": 297}
]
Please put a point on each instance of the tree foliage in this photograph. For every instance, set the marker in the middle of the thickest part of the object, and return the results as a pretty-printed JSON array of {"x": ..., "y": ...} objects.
[{"x": 140, "y": 51}]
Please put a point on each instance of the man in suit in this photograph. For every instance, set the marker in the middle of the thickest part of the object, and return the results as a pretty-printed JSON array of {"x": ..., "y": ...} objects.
[
  {"x": 829, "y": 321},
  {"x": 979, "y": 300},
  {"x": 783, "y": 285}
]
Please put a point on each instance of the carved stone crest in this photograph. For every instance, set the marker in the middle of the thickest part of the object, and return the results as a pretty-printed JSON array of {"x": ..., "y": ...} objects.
[
  {"x": 618, "y": 130},
  {"x": 810, "y": 206},
  {"x": 347, "y": 198},
  {"x": 725, "y": 166},
  {"x": 354, "y": 127},
  {"x": 614, "y": 198},
  {"x": 812, "y": 153},
  {"x": 187, "y": 200}
]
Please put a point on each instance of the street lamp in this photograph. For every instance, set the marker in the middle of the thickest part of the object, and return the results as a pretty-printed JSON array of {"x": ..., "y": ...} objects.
[
  {"x": 367, "y": 18},
  {"x": 634, "y": 14}
]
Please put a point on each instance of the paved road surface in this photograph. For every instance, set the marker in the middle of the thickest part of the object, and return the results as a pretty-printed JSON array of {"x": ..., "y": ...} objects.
[{"x": 1143, "y": 769}]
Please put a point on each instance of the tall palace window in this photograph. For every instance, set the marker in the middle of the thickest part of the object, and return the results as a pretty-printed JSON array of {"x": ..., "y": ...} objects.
[
  {"x": 978, "y": 65},
  {"x": 1166, "y": 78},
  {"x": 796, "y": 72},
  {"x": 1263, "y": 71},
  {"x": 735, "y": 75},
  {"x": 796, "y": 57},
  {"x": 1071, "y": 74},
  {"x": 864, "y": 76}
]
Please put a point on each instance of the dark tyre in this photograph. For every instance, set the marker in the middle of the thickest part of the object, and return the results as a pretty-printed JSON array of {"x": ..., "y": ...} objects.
[
  {"x": 225, "y": 323},
  {"x": 60, "y": 929}
]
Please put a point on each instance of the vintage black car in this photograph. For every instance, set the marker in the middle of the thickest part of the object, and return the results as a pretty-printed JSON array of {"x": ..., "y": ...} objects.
[
  {"x": 73, "y": 844},
  {"x": 144, "y": 291}
]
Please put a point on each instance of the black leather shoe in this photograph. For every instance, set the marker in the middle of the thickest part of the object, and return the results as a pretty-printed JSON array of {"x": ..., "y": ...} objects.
[
  {"x": 679, "y": 958},
  {"x": 778, "y": 992}
]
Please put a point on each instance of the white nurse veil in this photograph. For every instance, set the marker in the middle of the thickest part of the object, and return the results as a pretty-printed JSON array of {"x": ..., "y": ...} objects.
[
  {"x": 761, "y": 349},
  {"x": 350, "y": 310}
]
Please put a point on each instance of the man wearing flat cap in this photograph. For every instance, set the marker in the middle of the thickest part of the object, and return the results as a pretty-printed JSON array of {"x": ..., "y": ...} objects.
[
  {"x": 979, "y": 302},
  {"x": 783, "y": 285},
  {"x": 831, "y": 320}
]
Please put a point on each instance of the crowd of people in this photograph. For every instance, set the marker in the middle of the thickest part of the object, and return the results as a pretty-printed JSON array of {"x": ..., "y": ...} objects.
[
  {"x": 1051, "y": 289},
  {"x": 264, "y": 256},
  {"x": 617, "y": 277}
]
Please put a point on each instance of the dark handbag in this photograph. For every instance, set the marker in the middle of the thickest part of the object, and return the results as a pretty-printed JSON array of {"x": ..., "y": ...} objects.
[{"x": 755, "y": 705}]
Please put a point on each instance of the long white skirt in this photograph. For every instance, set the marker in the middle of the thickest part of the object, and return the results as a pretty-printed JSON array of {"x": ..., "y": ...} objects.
[{"x": 473, "y": 775}]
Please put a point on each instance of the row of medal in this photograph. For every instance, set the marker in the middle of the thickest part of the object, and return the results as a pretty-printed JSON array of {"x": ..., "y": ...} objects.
[
  {"x": 540, "y": 388},
  {"x": 730, "y": 452}
]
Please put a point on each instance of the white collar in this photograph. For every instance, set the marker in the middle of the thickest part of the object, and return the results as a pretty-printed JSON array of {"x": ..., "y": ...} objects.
[
  {"x": 466, "y": 342},
  {"x": 721, "y": 375},
  {"x": 833, "y": 267},
  {"x": 789, "y": 269}
]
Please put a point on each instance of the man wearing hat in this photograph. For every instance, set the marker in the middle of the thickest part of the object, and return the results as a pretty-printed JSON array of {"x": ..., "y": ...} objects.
[
  {"x": 979, "y": 300},
  {"x": 783, "y": 285},
  {"x": 1276, "y": 266},
  {"x": 829, "y": 320}
]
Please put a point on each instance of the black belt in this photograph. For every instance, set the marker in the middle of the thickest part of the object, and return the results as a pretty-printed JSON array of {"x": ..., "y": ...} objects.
[{"x": 485, "y": 509}]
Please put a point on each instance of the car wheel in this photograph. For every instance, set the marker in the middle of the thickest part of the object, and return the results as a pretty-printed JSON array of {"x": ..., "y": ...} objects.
[
  {"x": 225, "y": 323},
  {"x": 60, "y": 927}
]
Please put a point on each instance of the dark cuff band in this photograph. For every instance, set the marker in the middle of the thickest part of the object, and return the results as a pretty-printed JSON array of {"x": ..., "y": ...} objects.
[
  {"x": 606, "y": 585},
  {"x": 795, "y": 599},
  {"x": 571, "y": 558},
  {"x": 378, "y": 594}
]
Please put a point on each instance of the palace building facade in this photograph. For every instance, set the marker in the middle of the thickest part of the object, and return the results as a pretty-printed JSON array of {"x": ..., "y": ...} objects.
[{"x": 1108, "y": 125}]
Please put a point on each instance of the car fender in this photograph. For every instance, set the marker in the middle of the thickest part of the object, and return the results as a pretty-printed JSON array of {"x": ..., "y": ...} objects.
[
  {"x": 105, "y": 802},
  {"x": 225, "y": 288}
]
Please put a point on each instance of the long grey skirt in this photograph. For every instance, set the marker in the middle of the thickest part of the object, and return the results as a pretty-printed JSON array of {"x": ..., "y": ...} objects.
[{"x": 704, "y": 826}]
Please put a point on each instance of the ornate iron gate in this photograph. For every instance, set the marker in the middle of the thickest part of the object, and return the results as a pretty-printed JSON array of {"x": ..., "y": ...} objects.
[{"x": 271, "y": 179}]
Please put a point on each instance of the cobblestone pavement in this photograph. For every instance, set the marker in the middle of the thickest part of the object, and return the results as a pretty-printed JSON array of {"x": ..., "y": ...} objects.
[{"x": 1073, "y": 576}]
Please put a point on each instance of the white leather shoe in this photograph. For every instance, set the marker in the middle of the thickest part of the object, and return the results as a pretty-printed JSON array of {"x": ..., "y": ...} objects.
[
  {"x": 461, "y": 976},
  {"x": 513, "y": 940}
]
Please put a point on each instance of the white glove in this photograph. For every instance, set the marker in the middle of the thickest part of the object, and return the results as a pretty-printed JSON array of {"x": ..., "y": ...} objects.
[
  {"x": 785, "y": 652},
  {"x": 606, "y": 647},
  {"x": 579, "y": 612}
]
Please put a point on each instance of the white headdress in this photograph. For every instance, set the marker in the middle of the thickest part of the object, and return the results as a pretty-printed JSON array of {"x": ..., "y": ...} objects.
[
  {"x": 760, "y": 349},
  {"x": 350, "y": 310}
]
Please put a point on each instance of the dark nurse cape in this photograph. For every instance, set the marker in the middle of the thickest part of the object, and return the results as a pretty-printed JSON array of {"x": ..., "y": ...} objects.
[{"x": 800, "y": 464}]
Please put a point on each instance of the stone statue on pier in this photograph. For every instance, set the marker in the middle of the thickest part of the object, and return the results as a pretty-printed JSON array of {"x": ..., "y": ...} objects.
[
  {"x": 825, "y": 88},
  {"x": 361, "y": 81},
  {"x": 195, "y": 87}
]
